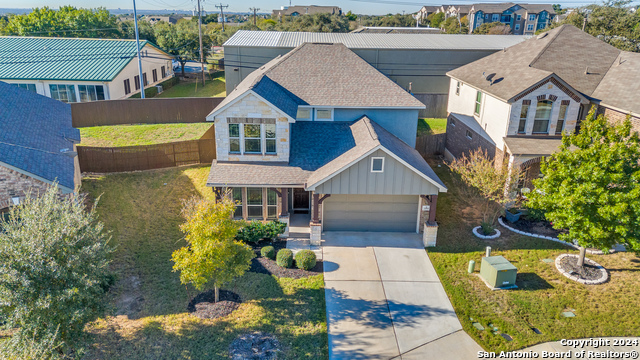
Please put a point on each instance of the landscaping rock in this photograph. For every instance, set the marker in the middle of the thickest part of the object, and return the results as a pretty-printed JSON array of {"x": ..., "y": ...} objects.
[{"x": 255, "y": 346}]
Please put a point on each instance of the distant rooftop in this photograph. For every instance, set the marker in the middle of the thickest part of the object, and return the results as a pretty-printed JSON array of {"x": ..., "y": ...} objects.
[{"x": 278, "y": 39}]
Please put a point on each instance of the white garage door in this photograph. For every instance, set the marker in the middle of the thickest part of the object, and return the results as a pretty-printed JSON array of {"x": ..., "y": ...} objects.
[{"x": 397, "y": 213}]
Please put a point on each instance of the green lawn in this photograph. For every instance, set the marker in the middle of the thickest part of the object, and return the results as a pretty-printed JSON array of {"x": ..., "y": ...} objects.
[
  {"x": 603, "y": 310},
  {"x": 129, "y": 135},
  {"x": 214, "y": 87},
  {"x": 147, "y": 317},
  {"x": 431, "y": 126}
]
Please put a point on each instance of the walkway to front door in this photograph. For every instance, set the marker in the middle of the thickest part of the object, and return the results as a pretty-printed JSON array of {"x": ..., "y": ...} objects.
[{"x": 385, "y": 301}]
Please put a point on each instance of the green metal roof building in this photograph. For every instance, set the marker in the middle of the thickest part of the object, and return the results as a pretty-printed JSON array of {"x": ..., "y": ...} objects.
[{"x": 78, "y": 70}]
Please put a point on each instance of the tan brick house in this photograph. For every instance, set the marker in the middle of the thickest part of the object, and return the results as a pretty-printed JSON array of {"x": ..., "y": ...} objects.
[
  {"x": 37, "y": 145},
  {"x": 515, "y": 104}
]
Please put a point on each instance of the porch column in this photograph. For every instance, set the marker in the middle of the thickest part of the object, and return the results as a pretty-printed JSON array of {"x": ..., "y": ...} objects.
[
  {"x": 316, "y": 204},
  {"x": 432, "y": 208},
  {"x": 245, "y": 210},
  {"x": 284, "y": 210}
]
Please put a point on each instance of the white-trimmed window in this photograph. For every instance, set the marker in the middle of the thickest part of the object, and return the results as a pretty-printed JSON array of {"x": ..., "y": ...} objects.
[
  {"x": 530, "y": 27},
  {"x": 517, "y": 26},
  {"x": 252, "y": 139},
  {"x": 237, "y": 199},
  {"x": 458, "y": 88},
  {"x": 91, "y": 92},
  {"x": 564, "y": 105},
  {"x": 272, "y": 204},
  {"x": 254, "y": 203},
  {"x": 518, "y": 17},
  {"x": 303, "y": 113},
  {"x": 234, "y": 138},
  {"x": 377, "y": 164},
  {"x": 64, "y": 93},
  {"x": 324, "y": 114},
  {"x": 494, "y": 17},
  {"x": 30, "y": 87},
  {"x": 532, "y": 17},
  {"x": 478, "y": 103},
  {"x": 543, "y": 115},
  {"x": 524, "y": 111}
]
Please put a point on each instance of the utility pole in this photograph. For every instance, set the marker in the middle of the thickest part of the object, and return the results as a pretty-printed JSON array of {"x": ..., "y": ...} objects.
[
  {"x": 200, "y": 35},
  {"x": 584, "y": 23},
  {"x": 254, "y": 15},
  {"x": 135, "y": 21},
  {"x": 222, "y": 13}
]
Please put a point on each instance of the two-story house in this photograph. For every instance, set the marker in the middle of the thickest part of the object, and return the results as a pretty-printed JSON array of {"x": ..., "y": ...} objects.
[
  {"x": 517, "y": 103},
  {"x": 320, "y": 131},
  {"x": 524, "y": 19}
]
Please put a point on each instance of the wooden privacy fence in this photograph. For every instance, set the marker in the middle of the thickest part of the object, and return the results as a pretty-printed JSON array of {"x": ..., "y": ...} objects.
[
  {"x": 147, "y": 157},
  {"x": 428, "y": 145},
  {"x": 142, "y": 111}
]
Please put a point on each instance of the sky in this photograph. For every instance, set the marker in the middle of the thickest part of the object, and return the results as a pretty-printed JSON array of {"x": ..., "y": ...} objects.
[{"x": 373, "y": 7}]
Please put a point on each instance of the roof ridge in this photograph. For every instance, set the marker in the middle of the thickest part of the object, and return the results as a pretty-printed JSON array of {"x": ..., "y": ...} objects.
[
  {"x": 553, "y": 38},
  {"x": 372, "y": 131}
]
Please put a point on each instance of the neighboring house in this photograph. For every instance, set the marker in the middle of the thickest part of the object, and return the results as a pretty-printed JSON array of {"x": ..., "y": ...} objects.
[
  {"x": 458, "y": 11},
  {"x": 80, "y": 70},
  {"x": 396, "y": 30},
  {"x": 37, "y": 145},
  {"x": 416, "y": 62},
  {"x": 320, "y": 130},
  {"x": 425, "y": 11},
  {"x": 298, "y": 10},
  {"x": 523, "y": 19},
  {"x": 515, "y": 104}
]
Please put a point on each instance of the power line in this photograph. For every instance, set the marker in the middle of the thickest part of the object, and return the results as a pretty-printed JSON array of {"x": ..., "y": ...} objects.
[{"x": 222, "y": 7}]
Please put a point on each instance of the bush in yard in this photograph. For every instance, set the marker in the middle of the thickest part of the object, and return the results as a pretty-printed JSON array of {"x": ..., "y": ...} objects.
[
  {"x": 284, "y": 258},
  {"x": 274, "y": 228},
  {"x": 254, "y": 231},
  {"x": 305, "y": 259},
  {"x": 269, "y": 252},
  {"x": 212, "y": 254},
  {"x": 54, "y": 271}
]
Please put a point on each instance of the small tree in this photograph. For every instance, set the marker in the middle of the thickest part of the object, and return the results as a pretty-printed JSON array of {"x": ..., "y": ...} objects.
[
  {"x": 212, "y": 254},
  {"x": 53, "y": 268},
  {"x": 591, "y": 186},
  {"x": 495, "y": 185}
]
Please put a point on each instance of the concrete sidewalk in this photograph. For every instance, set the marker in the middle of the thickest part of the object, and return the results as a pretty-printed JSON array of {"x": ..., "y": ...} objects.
[{"x": 384, "y": 300}]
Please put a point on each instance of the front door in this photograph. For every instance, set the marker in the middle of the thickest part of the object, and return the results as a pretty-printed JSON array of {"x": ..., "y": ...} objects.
[{"x": 300, "y": 200}]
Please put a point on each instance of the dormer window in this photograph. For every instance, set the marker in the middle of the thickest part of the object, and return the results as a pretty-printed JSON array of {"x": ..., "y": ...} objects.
[{"x": 377, "y": 164}]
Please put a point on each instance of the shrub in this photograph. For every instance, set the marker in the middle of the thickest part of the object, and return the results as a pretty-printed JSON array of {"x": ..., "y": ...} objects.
[
  {"x": 535, "y": 215},
  {"x": 487, "y": 228},
  {"x": 305, "y": 259},
  {"x": 268, "y": 252},
  {"x": 255, "y": 231},
  {"x": 284, "y": 258}
]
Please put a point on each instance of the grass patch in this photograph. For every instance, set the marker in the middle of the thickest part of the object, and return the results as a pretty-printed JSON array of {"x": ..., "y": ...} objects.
[
  {"x": 214, "y": 87},
  {"x": 147, "y": 317},
  {"x": 603, "y": 310},
  {"x": 431, "y": 126},
  {"x": 148, "y": 134}
]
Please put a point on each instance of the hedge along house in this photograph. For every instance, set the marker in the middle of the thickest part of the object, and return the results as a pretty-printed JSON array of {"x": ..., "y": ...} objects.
[
  {"x": 37, "y": 145},
  {"x": 320, "y": 131},
  {"x": 80, "y": 70},
  {"x": 517, "y": 103},
  {"x": 416, "y": 62}
]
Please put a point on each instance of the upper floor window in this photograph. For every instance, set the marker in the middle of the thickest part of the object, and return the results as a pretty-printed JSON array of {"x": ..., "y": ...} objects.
[
  {"x": 154, "y": 74},
  {"x": 91, "y": 92},
  {"x": 144, "y": 79},
  {"x": 127, "y": 86},
  {"x": 532, "y": 17},
  {"x": 163, "y": 71},
  {"x": 324, "y": 114},
  {"x": 543, "y": 115},
  {"x": 562, "y": 114},
  {"x": 377, "y": 164},
  {"x": 522, "y": 126},
  {"x": 494, "y": 17},
  {"x": 303, "y": 114},
  {"x": 136, "y": 80},
  {"x": 517, "y": 26},
  {"x": 252, "y": 138},
  {"x": 530, "y": 27},
  {"x": 65, "y": 93},
  {"x": 458, "y": 88},
  {"x": 478, "y": 103},
  {"x": 518, "y": 17},
  {"x": 30, "y": 87}
]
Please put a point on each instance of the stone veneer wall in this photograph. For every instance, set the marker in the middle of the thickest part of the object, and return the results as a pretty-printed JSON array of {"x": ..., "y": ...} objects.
[
  {"x": 459, "y": 144},
  {"x": 424, "y": 215},
  {"x": 252, "y": 107},
  {"x": 617, "y": 117},
  {"x": 13, "y": 183}
]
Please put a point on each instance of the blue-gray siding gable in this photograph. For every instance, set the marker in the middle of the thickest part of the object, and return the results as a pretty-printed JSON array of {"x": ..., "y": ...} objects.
[{"x": 402, "y": 123}]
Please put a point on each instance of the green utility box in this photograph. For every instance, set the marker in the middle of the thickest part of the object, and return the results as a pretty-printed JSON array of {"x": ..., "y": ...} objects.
[{"x": 498, "y": 272}]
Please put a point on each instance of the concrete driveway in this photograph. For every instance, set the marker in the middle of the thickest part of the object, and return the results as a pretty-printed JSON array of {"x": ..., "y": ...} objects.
[{"x": 384, "y": 300}]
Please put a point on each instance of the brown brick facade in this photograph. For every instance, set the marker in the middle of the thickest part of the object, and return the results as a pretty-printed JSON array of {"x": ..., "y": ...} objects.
[
  {"x": 617, "y": 117},
  {"x": 13, "y": 183},
  {"x": 458, "y": 144}
]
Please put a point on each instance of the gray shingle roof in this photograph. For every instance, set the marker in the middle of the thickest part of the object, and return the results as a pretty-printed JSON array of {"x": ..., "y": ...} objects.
[
  {"x": 322, "y": 75},
  {"x": 493, "y": 8},
  {"x": 538, "y": 8},
  {"x": 620, "y": 87},
  {"x": 532, "y": 146},
  {"x": 33, "y": 130},
  {"x": 577, "y": 58},
  {"x": 318, "y": 150}
]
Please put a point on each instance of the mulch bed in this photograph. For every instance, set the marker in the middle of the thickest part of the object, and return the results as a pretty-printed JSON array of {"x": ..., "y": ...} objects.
[
  {"x": 204, "y": 306},
  {"x": 586, "y": 272},
  {"x": 262, "y": 265},
  {"x": 535, "y": 227},
  {"x": 255, "y": 346}
]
